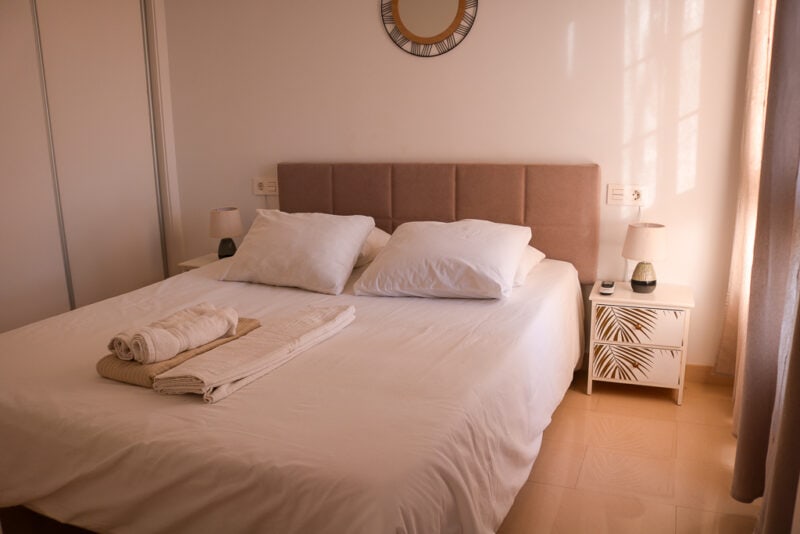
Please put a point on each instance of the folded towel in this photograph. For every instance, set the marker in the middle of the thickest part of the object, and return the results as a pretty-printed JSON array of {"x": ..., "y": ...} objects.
[
  {"x": 183, "y": 330},
  {"x": 142, "y": 374},
  {"x": 218, "y": 373}
]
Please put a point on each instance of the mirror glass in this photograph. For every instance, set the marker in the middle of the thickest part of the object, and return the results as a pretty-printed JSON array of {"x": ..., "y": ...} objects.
[{"x": 427, "y": 18}]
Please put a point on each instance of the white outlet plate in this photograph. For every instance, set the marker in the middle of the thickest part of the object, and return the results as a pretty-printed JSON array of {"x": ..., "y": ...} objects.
[
  {"x": 626, "y": 195},
  {"x": 265, "y": 186}
]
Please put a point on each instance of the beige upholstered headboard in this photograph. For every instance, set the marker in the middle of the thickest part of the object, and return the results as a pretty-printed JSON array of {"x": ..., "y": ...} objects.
[{"x": 561, "y": 203}]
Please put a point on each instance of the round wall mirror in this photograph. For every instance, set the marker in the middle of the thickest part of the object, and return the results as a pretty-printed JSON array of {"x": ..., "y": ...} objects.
[{"x": 428, "y": 28}]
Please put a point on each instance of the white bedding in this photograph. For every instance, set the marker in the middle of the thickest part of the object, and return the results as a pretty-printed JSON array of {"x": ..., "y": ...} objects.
[{"x": 424, "y": 415}]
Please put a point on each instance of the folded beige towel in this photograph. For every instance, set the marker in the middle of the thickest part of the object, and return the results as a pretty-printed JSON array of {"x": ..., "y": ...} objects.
[
  {"x": 183, "y": 330},
  {"x": 140, "y": 374},
  {"x": 218, "y": 373}
]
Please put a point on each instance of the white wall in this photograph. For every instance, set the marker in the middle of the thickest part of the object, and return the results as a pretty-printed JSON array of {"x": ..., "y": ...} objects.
[{"x": 649, "y": 89}]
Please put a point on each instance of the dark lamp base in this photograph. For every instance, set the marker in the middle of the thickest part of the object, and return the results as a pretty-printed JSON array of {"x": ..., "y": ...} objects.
[
  {"x": 227, "y": 248},
  {"x": 643, "y": 287}
]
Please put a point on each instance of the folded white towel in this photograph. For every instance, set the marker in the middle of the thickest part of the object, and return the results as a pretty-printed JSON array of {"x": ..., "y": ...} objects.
[
  {"x": 183, "y": 330},
  {"x": 221, "y": 371}
]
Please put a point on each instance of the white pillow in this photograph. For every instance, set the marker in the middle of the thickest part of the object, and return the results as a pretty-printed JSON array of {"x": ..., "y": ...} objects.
[
  {"x": 376, "y": 240},
  {"x": 530, "y": 259},
  {"x": 314, "y": 251},
  {"x": 463, "y": 259}
]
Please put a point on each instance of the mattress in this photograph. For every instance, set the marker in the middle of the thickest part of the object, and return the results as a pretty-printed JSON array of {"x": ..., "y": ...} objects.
[{"x": 423, "y": 415}]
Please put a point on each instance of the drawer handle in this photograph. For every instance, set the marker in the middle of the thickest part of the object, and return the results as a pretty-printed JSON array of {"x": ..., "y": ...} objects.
[
  {"x": 637, "y": 326},
  {"x": 635, "y": 365}
]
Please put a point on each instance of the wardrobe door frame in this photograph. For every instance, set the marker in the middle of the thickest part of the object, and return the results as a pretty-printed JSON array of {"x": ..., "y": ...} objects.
[{"x": 95, "y": 71}]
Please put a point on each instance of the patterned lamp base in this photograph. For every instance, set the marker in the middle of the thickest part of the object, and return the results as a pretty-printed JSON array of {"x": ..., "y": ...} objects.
[{"x": 643, "y": 279}]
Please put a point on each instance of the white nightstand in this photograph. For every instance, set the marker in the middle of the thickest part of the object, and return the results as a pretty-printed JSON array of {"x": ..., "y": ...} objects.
[
  {"x": 640, "y": 338},
  {"x": 194, "y": 263}
]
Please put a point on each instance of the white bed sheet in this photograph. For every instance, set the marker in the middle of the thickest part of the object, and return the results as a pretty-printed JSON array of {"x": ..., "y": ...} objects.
[{"x": 423, "y": 415}]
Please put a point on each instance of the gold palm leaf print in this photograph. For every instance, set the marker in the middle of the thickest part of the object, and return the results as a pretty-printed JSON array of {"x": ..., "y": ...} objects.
[
  {"x": 622, "y": 362},
  {"x": 625, "y": 325}
]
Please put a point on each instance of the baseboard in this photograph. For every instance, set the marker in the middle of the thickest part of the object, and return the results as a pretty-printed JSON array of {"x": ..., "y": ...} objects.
[{"x": 704, "y": 374}]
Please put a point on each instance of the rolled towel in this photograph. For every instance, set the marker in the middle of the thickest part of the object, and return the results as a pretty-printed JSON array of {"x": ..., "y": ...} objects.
[
  {"x": 120, "y": 345},
  {"x": 219, "y": 372},
  {"x": 184, "y": 330}
]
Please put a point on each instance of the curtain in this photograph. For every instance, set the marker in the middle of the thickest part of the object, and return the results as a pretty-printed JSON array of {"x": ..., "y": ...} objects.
[
  {"x": 730, "y": 358},
  {"x": 767, "y": 459}
]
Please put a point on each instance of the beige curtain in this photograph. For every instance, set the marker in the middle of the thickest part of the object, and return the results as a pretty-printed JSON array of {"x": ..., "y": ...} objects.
[
  {"x": 730, "y": 358},
  {"x": 767, "y": 457}
]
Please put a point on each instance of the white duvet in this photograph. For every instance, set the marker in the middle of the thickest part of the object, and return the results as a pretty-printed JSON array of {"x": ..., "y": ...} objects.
[{"x": 424, "y": 415}]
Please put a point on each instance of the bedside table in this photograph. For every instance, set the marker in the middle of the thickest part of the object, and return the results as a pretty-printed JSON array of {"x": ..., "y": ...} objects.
[
  {"x": 640, "y": 338},
  {"x": 194, "y": 263}
]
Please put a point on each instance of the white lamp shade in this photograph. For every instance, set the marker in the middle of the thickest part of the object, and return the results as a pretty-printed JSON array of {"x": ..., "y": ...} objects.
[
  {"x": 225, "y": 222},
  {"x": 645, "y": 242}
]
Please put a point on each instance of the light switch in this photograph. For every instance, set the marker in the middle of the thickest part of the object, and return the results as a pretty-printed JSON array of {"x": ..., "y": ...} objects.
[
  {"x": 265, "y": 186},
  {"x": 626, "y": 195}
]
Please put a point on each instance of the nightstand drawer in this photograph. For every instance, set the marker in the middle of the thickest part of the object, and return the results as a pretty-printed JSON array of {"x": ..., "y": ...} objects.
[
  {"x": 643, "y": 326},
  {"x": 636, "y": 363},
  {"x": 640, "y": 338}
]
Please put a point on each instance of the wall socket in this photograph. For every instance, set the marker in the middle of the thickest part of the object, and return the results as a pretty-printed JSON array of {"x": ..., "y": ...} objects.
[
  {"x": 626, "y": 195},
  {"x": 265, "y": 186}
]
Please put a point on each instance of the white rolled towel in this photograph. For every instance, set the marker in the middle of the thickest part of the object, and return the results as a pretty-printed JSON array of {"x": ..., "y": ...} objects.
[
  {"x": 120, "y": 345},
  {"x": 183, "y": 330}
]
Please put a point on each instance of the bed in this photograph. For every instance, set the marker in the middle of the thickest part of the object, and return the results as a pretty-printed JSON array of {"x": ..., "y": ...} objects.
[{"x": 424, "y": 415}]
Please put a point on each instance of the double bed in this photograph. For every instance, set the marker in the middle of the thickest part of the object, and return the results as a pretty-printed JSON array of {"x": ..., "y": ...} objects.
[{"x": 423, "y": 415}]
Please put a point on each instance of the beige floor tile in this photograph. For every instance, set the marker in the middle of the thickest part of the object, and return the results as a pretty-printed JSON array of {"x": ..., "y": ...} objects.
[
  {"x": 541, "y": 508},
  {"x": 706, "y": 409},
  {"x": 706, "y": 486},
  {"x": 637, "y": 401},
  {"x": 710, "y": 443},
  {"x": 558, "y": 463},
  {"x": 576, "y": 396},
  {"x": 650, "y": 437},
  {"x": 697, "y": 388},
  {"x": 626, "y": 474},
  {"x": 580, "y": 400},
  {"x": 691, "y": 521},
  {"x": 569, "y": 425},
  {"x": 638, "y": 463}
]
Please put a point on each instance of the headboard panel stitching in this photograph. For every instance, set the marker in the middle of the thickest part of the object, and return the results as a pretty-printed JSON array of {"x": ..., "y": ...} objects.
[{"x": 559, "y": 202}]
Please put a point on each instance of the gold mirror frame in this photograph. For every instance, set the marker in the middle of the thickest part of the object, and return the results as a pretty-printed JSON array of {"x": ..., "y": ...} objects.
[{"x": 428, "y": 46}]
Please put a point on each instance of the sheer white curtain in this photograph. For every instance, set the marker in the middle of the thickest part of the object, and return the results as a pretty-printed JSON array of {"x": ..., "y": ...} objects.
[
  {"x": 767, "y": 457},
  {"x": 730, "y": 359}
]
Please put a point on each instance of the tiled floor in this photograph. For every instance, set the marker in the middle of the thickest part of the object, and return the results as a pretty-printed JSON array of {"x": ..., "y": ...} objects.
[{"x": 629, "y": 460}]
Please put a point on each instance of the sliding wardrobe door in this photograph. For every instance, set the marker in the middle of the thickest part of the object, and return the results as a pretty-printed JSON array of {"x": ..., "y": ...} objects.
[
  {"x": 32, "y": 278},
  {"x": 95, "y": 71}
]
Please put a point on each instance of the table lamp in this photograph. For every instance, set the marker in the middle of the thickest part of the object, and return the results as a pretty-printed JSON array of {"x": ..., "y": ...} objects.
[
  {"x": 226, "y": 223},
  {"x": 645, "y": 242}
]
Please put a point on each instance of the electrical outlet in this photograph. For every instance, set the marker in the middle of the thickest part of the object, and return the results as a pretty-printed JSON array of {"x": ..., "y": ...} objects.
[
  {"x": 265, "y": 186},
  {"x": 626, "y": 195}
]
